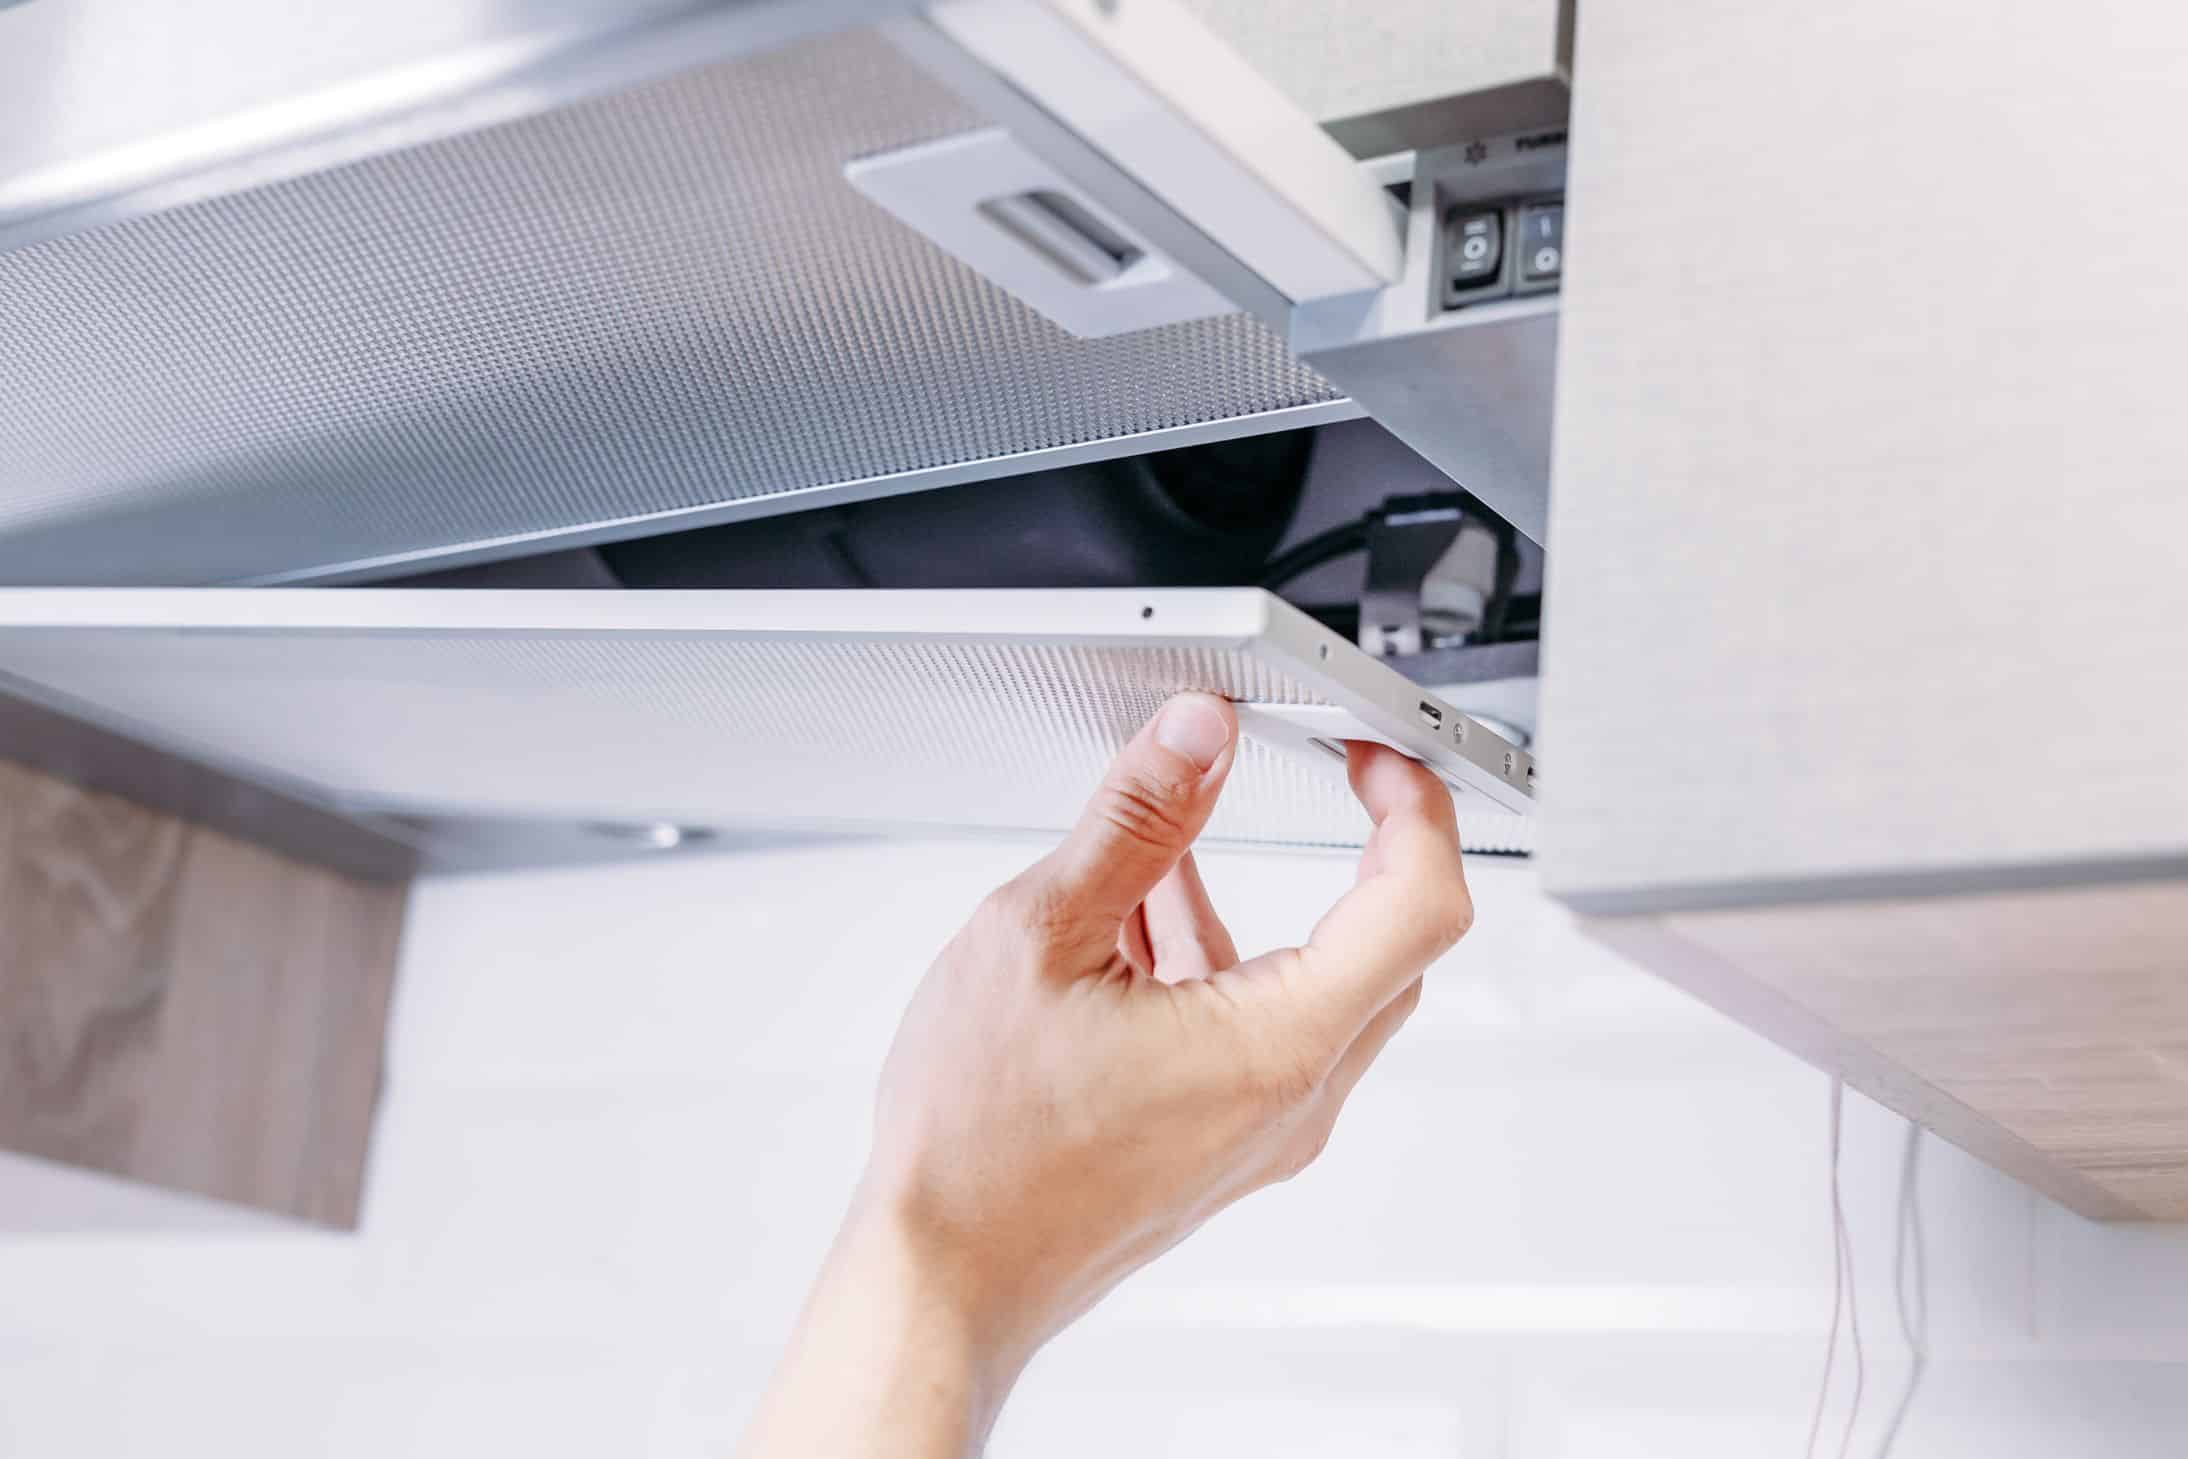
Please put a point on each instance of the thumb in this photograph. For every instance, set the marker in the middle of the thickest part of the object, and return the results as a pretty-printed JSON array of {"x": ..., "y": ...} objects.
[{"x": 1157, "y": 795}]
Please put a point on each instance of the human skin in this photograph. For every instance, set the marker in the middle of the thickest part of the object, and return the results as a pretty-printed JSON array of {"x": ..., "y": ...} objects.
[{"x": 1086, "y": 1074}]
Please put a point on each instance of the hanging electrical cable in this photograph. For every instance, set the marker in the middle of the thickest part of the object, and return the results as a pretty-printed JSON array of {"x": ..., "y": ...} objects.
[
  {"x": 1910, "y": 1286},
  {"x": 1845, "y": 1307},
  {"x": 1853, "y": 1292},
  {"x": 1320, "y": 548}
]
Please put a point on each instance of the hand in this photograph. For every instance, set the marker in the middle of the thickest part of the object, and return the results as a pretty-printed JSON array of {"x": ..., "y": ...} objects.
[{"x": 1088, "y": 1072}]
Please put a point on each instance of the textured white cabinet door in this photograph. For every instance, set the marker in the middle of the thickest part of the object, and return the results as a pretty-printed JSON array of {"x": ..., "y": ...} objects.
[{"x": 1869, "y": 534}]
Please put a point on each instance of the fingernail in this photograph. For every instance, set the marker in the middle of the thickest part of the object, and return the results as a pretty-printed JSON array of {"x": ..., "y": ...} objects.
[{"x": 1194, "y": 727}]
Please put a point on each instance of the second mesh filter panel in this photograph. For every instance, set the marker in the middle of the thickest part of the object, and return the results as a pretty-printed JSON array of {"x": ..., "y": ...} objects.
[{"x": 989, "y": 710}]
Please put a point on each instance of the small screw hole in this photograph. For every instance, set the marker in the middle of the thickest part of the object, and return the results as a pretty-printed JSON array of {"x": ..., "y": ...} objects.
[
  {"x": 1147, "y": 612},
  {"x": 1322, "y": 651}
]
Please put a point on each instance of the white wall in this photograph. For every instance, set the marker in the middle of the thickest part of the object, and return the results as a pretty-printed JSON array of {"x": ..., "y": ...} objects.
[{"x": 1573, "y": 1214}]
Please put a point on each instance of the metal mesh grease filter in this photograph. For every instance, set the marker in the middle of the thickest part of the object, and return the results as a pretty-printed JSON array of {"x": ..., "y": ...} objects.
[
  {"x": 662, "y": 300},
  {"x": 728, "y": 731}
]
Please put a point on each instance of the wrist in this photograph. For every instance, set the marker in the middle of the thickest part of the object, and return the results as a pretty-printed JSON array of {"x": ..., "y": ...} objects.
[
  {"x": 890, "y": 1358},
  {"x": 933, "y": 1294}
]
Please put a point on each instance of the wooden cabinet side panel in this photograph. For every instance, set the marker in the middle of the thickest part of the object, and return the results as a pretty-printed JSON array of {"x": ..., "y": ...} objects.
[
  {"x": 2046, "y": 1032},
  {"x": 185, "y": 1008}
]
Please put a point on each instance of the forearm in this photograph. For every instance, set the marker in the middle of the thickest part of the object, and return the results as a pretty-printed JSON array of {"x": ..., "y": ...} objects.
[{"x": 885, "y": 1361}]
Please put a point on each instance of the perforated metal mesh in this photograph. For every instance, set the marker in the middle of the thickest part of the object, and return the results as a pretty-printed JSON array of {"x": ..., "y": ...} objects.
[
  {"x": 727, "y": 731},
  {"x": 665, "y": 299}
]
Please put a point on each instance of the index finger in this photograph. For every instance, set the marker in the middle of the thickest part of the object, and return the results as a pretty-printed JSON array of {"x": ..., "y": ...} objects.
[{"x": 1409, "y": 907}]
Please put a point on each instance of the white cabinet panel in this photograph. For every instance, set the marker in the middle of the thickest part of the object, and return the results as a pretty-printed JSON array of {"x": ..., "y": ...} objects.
[{"x": 1867, "y": 510}]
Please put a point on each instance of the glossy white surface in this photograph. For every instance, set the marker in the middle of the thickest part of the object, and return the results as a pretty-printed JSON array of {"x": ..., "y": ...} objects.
[
  {"x": 99, "y": 99},
  {"x": 1340, "y": 60},
  {"x": 1171, "y": 102},
  {"x": 93, "y": 78},
  {"x": 1573, "y": 1215}
]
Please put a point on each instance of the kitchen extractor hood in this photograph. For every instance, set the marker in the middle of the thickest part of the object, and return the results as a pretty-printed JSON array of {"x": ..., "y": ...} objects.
[
  {"x": 614, "y": 281},
  {"x": 664, "y": 302}
]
